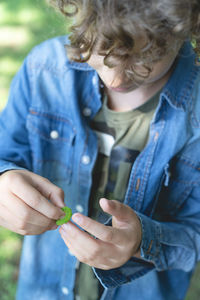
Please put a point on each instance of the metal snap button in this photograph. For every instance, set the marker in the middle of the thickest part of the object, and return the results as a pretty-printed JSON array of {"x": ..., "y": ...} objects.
[
  {"x": 65, "y": 290},
  {"x": 87, "y": 111},
  {"x": 85, "y": 159},
  {"x": 79, "y": 208},
  {"x": 94, "y": 80},
  {"x": 54, "y": 134}
]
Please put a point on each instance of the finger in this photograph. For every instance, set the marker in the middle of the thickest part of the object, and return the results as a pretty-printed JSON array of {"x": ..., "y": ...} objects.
[
  {"x": 121, "y": 212},
  {"x": 100, "y": 231},
  {"x": 126, "y": 219},
  {"x": 75, "y": 251},
  {"x": 76, "y": 234},
  {"x": 15, "y": 224},
  {"x": 33, "y": 198},
  {"x": 22, "y": 211},
  {"x": 51, "y": 191},
  {"x": 88, "y": 250}
]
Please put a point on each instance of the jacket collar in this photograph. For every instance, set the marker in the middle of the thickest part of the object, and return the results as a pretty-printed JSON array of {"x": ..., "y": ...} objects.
[
  {"x": 177, "y": 91},
  {"x": 79, "y": 66}
]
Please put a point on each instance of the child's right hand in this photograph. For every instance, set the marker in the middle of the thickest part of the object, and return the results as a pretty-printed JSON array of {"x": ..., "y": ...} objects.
[{"x": 24, "y": 202}]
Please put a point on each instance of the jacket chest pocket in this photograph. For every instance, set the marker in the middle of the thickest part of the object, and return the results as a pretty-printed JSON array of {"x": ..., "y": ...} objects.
[
  {"x": 51, "y": 141},
  {"x": 182, "y": 177}
]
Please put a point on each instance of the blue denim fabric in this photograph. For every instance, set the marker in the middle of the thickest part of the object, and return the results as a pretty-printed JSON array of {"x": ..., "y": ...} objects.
[{"x": 50, "y": 93}]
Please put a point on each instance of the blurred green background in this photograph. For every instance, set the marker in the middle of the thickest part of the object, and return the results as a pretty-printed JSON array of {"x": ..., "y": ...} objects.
[{"x": 23, "y": 24}]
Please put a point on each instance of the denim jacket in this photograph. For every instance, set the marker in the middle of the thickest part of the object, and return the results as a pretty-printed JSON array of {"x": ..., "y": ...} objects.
[{"x": 45, "y": 128}]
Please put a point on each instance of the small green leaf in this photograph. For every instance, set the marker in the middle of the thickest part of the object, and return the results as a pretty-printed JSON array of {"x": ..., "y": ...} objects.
[{"x": 68, "y": 214}]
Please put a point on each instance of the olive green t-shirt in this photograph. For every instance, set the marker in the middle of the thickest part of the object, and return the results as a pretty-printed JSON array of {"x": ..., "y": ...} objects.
[{"x": 121, "y": 137}]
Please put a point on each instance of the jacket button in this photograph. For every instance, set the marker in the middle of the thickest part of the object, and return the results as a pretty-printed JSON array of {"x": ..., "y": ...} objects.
[
  {"x": 87, "y": 112},
  {"x": 54, "y": 134},
  {"x": 65, "y": 290},
  {"x": 79, "y": 208},
  {"x": 85, "y": 159},
  {"x": 94, "y": 80}
]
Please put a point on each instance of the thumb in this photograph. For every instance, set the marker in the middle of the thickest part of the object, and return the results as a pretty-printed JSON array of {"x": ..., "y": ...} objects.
[{"x": 122, "y": 214}]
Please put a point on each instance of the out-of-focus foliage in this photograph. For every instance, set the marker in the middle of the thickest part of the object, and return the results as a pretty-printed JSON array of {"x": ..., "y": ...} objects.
[
  {"x": 23, "y": 24},
  {"x": 10, "y": 248}
]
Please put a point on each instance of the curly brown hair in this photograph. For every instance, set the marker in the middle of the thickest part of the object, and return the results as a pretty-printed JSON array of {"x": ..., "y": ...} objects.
[{"x": 112, "y": 29}]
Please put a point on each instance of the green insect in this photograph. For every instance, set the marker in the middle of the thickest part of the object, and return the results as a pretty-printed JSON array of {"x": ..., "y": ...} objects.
[{"x": 68, "y": 214}]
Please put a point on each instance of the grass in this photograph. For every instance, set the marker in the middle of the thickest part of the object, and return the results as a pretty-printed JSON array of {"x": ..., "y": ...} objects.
[{"x": 25, "y": 23}]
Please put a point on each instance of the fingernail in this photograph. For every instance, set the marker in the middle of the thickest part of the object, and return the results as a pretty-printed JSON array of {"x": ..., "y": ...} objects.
[
  {"x": 77, "y": 218},
  {"x": 66, "y": 227},
  {"x": 104, "y": 200}
]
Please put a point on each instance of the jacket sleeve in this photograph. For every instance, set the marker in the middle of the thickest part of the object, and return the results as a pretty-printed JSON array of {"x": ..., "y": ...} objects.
[
  {"x": 171, "y": 238},
  {"x": 14, "y": 144}
]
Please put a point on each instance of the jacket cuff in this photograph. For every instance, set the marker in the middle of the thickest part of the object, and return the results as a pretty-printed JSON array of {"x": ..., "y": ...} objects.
[
  {"x": 151, "y": 234},
  {"x": 133, "y": 269},
  {"x": 130, "y": 271}
]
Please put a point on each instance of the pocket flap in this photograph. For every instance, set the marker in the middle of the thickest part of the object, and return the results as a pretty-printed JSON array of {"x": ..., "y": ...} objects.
[{"x": 51, "y": 127}]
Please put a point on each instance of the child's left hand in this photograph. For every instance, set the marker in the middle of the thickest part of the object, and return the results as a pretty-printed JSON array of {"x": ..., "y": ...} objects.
[{"x": 114, "y": 245}]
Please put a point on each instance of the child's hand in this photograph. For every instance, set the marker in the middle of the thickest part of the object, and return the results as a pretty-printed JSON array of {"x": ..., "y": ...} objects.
[
  {"x": 24, "y": 205},
  {"x": 114, "y": 245}
]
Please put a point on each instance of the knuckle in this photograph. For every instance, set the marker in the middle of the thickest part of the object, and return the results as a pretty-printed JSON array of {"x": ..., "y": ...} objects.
[
  {"x": 59, "y": 192},
  {"x": 25, "y": 216},
  {"x": 108, "y": 235},
  {"x": 13, "y": 179},
  {"x": 44, "y": 179},
  {"x": 35, "y": 201},
  {"x": 11, "y": 174},
  {"x": 22, "y": 225}
]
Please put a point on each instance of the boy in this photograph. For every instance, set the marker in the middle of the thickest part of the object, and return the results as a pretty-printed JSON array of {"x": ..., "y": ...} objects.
[{"x": 119, "y": 120}]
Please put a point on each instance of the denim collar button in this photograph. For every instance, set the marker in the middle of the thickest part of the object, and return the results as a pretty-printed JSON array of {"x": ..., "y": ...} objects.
[
  {"x": 85, "y": 159},
  {"x": 87, "y": 111},
  {"x": 94, "y": 80},
  {"x": 79, "y": 208},
  {"x": 65, "y": 290},
  {"x": 54, "y": 134}
]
